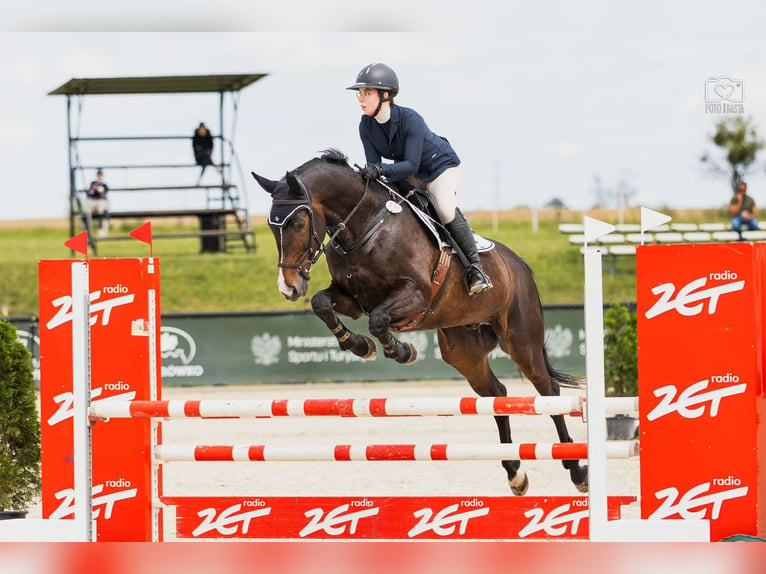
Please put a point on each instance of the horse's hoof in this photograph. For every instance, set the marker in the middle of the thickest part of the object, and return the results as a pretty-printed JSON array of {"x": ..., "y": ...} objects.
[
  {"x": 582, "y": 486},
  {"x": 372, "y": 349},
  {"x": 519, "y": 484},
  {"x": 413, "y": 354}
]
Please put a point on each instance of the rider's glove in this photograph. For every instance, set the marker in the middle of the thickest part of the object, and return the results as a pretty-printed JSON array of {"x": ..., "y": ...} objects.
[{"x": 372, "y": 171}]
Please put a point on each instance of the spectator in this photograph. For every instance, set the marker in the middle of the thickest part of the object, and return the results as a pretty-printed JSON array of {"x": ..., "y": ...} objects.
[
  {"x": 743, "y": 210},
  {"x": 202, "y": 143},
  {"x": 98, "y": 205}
]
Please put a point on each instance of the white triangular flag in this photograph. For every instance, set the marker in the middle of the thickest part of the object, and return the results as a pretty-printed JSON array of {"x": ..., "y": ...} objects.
[
  {"x": 595, "y": 228},
  {"x": 651, "y": 219}
]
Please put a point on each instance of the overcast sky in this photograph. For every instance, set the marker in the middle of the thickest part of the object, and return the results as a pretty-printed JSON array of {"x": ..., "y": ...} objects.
[{"x": 537, "y": 101}]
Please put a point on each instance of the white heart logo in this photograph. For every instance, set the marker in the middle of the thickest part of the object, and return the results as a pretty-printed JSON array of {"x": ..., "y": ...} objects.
[{"x": 724, "y": 90}]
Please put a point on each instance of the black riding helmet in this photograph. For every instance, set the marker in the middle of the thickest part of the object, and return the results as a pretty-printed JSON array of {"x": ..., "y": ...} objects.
[{"x": 379, "y": 77}]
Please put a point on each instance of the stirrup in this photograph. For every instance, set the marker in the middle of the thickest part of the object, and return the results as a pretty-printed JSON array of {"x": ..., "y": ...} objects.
[{"x": 484, "y": 283}]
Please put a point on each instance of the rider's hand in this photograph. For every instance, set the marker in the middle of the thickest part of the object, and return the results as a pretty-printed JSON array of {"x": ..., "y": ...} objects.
[{"x": 372, "y": 171}]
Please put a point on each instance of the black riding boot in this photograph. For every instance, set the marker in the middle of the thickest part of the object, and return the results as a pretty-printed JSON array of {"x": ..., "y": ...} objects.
[{"x": 476, "y": 278}]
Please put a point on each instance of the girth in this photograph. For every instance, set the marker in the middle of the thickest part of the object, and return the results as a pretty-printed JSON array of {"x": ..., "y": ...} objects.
[{"x": 438, "y": 278}]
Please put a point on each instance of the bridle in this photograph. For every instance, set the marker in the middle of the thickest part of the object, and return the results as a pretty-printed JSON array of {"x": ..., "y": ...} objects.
[{"x": 310, "y": 254}]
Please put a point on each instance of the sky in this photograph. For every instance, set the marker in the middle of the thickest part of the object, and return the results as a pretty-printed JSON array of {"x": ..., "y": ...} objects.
[{"x": 538, "y": 101}]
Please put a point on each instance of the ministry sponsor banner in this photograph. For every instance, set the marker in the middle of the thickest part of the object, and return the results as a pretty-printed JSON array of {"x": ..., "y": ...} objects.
[
  {"x": 297, "y": 347},
  {"x": 204, "y": 349}
]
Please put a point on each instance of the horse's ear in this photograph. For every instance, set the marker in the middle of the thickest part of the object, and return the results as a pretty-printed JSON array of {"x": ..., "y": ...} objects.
[
  {"x": 295, "y": 186},
  {"x": 266, "y": 184}
]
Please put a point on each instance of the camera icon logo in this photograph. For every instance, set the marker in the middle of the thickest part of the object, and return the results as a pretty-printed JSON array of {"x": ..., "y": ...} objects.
[{"x": 724, "y": 88}]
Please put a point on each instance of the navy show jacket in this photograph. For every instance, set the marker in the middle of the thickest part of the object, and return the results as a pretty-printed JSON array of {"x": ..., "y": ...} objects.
[{"x": 406, "y": 139}]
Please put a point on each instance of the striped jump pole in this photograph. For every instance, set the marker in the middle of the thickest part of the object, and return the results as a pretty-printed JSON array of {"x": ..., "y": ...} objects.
[
  {"x": 355, "y": 407},
  {"x": 389, "y": 452}
]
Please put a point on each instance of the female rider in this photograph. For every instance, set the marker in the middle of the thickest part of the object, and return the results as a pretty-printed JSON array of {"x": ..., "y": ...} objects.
[{"x": 419, "y": 156}]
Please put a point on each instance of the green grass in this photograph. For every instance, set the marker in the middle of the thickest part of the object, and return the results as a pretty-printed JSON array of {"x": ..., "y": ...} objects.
[
  {"x": 238, "y": 281},
  {"x": 193, "y": 282}
]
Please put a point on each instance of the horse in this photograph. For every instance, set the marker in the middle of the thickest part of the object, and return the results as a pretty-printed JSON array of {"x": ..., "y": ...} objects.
[{"x": 385, "y": 263}]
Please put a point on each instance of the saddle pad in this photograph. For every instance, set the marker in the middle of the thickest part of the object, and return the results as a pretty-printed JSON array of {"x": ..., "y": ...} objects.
[{"x": 482, "y": 244}]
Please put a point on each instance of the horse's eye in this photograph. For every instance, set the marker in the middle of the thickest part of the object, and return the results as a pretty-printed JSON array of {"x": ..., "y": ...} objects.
[{"x": 298, "y": 224}]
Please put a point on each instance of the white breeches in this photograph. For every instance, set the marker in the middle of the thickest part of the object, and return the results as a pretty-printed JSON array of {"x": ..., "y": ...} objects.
[{"x": 444, "y": 191}]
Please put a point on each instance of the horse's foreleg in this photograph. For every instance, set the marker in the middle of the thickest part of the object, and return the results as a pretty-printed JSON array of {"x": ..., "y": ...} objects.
[
  {"x": 323, "y": 304},
  {"x": 380, "y": 325},
  {"x": 401, "y": 303}
]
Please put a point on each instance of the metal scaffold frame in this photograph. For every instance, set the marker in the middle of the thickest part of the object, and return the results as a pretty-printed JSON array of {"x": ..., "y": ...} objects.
[{"x": 223, "y": 201}]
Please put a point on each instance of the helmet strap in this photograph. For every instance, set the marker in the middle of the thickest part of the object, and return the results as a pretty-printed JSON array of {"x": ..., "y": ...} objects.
[{"x": 381, "y": 99}]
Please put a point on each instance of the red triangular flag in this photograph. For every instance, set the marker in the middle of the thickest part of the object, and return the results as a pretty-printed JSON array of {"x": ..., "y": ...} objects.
[
  {"x": 144, "y": 233},
  {"x": 79, "y": 243}
]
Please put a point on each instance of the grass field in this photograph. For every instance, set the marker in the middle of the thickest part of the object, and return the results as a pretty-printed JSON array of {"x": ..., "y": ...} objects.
[{"x": 194, "y": 282}]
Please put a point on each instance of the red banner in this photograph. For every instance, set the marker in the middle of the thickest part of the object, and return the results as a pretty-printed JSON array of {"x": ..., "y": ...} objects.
[
  {"x": 120, "y": 369},
  {"x": 700, "y": 338},
  {"x": 405, "y": 518}
]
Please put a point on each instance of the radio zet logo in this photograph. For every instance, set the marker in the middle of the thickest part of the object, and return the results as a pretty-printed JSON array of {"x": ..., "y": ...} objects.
[
  {"x": 101, "y": 501},
  {"x": 692, "y": 299},
  {"x": 445, "y": 521},
  {"x": 698, "y": 502},
  {"x": 178, "y": 350},
  {"x": 560, "y": 521},
  {"x": 98, "y": 307},
  {"x": 335, "y": 521},
  {"x": 695, "y": 400},
  {"x": 229, "y": 521}
]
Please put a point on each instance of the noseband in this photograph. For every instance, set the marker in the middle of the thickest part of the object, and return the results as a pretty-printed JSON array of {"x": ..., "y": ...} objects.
[{"x": 310, "y": 254}]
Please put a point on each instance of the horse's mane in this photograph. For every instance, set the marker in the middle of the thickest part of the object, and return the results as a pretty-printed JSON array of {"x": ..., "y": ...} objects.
[
  {"x": 330, "y": 156},
  {"x": 333, "y": 155}
]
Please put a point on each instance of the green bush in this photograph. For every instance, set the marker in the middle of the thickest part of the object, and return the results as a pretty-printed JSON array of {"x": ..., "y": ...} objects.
[
  {"x": 19, "y": 426},
  {"x": 620, "y": 352}
]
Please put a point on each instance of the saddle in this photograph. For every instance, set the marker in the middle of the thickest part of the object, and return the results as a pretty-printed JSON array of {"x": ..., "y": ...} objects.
[{"x": 424, "y": 207}]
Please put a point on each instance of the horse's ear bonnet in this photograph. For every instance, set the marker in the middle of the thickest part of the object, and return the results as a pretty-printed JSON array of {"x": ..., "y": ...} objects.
[
  {"x": 267, "y": 184},
  {"x": 288, "y": 199}
]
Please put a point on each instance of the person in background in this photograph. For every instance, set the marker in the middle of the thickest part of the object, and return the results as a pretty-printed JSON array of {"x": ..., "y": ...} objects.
[
  {"x": 202, "y": 142},
  {"x": 743, "y": 210},
  {"x": 420, "y": 157},
  {"x": 98, "y": 203}
]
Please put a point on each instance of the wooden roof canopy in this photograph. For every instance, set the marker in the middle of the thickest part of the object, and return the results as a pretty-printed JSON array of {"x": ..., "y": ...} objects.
[{"x": 156, "y": 84}]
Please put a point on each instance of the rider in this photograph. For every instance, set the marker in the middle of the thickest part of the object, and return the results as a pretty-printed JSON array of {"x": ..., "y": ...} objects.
[{"x": 419, "y": 156}]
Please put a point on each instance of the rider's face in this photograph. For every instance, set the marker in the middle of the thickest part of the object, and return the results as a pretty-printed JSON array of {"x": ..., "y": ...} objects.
[{"x": 369, "y": 98}]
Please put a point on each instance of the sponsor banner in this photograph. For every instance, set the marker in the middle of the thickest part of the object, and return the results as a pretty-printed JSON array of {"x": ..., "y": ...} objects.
[
  {"x": 120, "y": 362},
  {"x": 297, "y": 347},
  {"x": 415, "y": 518},
  {"x": 699, "y": 342}
]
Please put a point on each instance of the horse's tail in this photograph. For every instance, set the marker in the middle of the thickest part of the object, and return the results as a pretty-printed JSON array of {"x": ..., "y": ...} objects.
[{"x": 563, "y": 379}]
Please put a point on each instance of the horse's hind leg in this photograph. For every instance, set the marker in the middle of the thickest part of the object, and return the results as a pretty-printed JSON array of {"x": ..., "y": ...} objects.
[
  {"x": 467, "y": 350},
  {"x": 324, "y": 303},
  {"x": 527, "y": 349}
]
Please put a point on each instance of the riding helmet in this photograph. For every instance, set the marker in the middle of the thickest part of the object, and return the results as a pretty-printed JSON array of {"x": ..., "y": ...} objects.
[{"x": 377, "y": 76}]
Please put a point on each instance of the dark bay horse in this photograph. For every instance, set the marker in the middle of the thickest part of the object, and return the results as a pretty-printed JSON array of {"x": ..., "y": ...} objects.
[{"x": 385, "y": 263}]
